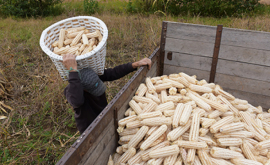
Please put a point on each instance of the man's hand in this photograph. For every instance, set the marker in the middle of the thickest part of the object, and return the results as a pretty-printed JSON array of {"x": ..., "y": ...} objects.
[
  {"x": 145, "y": 61},
  {"x": 70, "y": 61}
]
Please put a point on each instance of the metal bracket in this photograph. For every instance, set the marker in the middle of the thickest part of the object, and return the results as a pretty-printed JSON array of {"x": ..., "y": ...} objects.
[{"x": 215, "y": 54}]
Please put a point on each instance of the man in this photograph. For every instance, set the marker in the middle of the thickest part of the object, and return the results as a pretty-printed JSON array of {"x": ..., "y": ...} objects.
[{"x": 86, "y": 91}]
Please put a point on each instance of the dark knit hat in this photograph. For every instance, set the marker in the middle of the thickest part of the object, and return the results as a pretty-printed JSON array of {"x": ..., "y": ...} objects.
[{"x": 91, "y": 82}]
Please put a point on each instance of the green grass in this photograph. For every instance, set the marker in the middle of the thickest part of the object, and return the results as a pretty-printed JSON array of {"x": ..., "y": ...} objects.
[{"x": 41, "y": 127}]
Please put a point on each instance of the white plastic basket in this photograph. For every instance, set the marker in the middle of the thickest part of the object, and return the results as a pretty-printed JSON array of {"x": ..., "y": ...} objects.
[{"x": 94, "y": 59}]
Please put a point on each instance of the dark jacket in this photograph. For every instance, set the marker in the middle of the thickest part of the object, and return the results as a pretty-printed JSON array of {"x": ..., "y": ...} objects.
[{"x": 86, "y": 106}]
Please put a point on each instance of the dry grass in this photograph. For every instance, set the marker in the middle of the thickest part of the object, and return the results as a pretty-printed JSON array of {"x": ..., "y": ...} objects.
[
  {"x": 41, "y": 127},
  {"x": 266, "y": 2}
]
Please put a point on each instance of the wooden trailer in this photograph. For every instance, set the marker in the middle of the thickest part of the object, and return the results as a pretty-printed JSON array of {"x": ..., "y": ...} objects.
[{"x": 238, "y": 60}]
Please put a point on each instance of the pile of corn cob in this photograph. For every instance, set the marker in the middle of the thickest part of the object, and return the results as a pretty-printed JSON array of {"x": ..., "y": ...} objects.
[
  {"x": 176, "y": 119},
  {"x": 76, "y": 41}
]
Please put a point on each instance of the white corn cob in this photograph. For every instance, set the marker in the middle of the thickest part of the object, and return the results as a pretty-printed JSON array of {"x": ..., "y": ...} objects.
[
  {"x": 208, "y": 122},
  {"x": 120, "y": 129},
  {"x": 231, "y": 107},
  {"x": 194, "y": 128},
  {"x": 199, "y": 102},
  {"x": 85, "y": 39},
  {"x": 185, "y": 114},
  {"x": 151, "y": 130},
  {"x": 155, "y": 79},
  {"x": 222, "y": 153},
  {"x": 154, "y": 98},
  {"x": 126, "y": 138},
  {"x": 228, "y": 96},
  {"x": 237, "y": 149},
  {"x": 204, "y": 157},
  {"x": 136, "y": 108},
  {"x": 135, "y": 140},
  {"x": 192, "y": 144},
  {"x": 208, "y": 140},
  {"x": 229, "y": 142},
  {"x": 142, "y": 99},
  {"x": 247, "y": 152},
  {"x": 174, "y": 75},
  {"x": 203, "y": 131},
  {"x": 172, "y": 91},
  {"x": 198, "y": 88},
  {"x": 135, "y": 159},
  {"x": 61, "y": 38},
  {"x": 263, "y": 145},
  {"x": 126, "y": 120},
  {"x": 245, "y": 162},
  {"x": 188, "y": 78},
  {"x": 156, "y": 121},
  {"x": 183, "y": 92},
  {"x": 241, "y": 107},
  {"x": 77, "y": 39},
  {"x": 178, "y": 160},
  {"x": 227, "y": 114},
  {"x": 232, "y": 127},
  {"x": 92, "y": 35},
  {"x": 149, "y": 107},
  {"x": 170, "y": 160},
  {"x": 210, "y": 85},
  {"x": 181, "y": 80},
  {"x": 191, "y": 156},
  {"x": 175, "y": 99},
  {"x": 116, "y": 156},
  {"x": 174, "y": 83},
  {"x": 177, "y": 114},
  {"x": 237, "y": 134},
  {"x": 163, "y": 86},
  {"x": 145, "y": 154},
  {"x": 150, "y": 86},
  {"x": 154, "y": 136},
  {"x": 163, "y": 96},
  {"x": 196, "y": 161},
  {"x": 55, "y": 44},
  {"x": 110, "y": 162},
  {"x": 226, "y": 120},
  {"x": 134, "y": 124},
  {"x": 143, "y": 116},
  {"x": 202, "y": 82},
  {"x": 177, "y": 132},
  {"x": 165, "y": 151},
  {"x": 215, "y": 105},
  {"x": 168, "y": 113},
  {"x": 261, "y": 159},
  {"x": 127, "y": 155},
  {"x": 165, "y": 106}
]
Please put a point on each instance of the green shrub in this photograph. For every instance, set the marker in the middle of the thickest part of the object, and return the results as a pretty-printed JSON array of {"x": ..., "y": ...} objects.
[
  {"x": 90, "y": 6},
  {"x": 28, "y": 8},
  {"x": 216, "y": 8}
]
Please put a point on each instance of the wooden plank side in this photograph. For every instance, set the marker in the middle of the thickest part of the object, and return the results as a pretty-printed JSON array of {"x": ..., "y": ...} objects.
[
  {"x": 170, "y": 69},
  {"x": 97, "y": 147},
  {"x": 246, "y": 38},
  {"x": 243, "y": 84},
  {"x": 189, "y": 61},
  {"x": 244, "y": 70},
  {"x": 233, "y": 53},
  {"x": 253, "y": 99},
  {"x": 193, "y": 32}
]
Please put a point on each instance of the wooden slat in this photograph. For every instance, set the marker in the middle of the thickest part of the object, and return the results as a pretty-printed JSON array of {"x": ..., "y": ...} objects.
[
  {"x": 97, "y": 147},
  {"x": 246, "y": 38},
  {"x": 241, "y": 54},
  {"x": 243, "y": 84},
  {"x": 253, "y": 99},
  {"x": 170, "y": 69},
  {"x": 191, "y": 32}
]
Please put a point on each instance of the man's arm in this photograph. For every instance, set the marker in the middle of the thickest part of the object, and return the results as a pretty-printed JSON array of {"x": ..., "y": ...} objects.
[
  {"x": 122, "y": 70},
  {"x": 74, "y": 90}
]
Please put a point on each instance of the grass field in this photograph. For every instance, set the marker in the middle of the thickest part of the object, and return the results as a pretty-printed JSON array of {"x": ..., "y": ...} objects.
[{"x": 40, "y": 126}]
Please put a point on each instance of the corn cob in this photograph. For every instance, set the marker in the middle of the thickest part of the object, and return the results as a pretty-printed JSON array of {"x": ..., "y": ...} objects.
[
  {"x": 119, "y": 150},
  {"x": 145, "y": 154},
  {"x": 198, "y": 88},
  {"x": 208, "y": 122},
  {"x": 261, "y": 159},
  {"x": 232, "y": 127},
  {"x": 150, "y": 115},
  {"x": 135, "y": 107},
  {"x": 188, "y": 78},
  {"x": 185, "y": 114},
  {"x": 165, "y": 106},
  {"x": 241, "y": 107},
  {"x": 170, "y": 160},
  {"x": 247, "y": 152},
  {"x": 61, "y": 38},
  {"x": 192, "y": 144},
  {"x": 208, "y": 140},
  {"x": 237, "y": 149},
  {"x": 204, "y": 157},
  {"x": 168, "y": 113},
  {"x": 149, "y": 107},
  {"x": 62, "y": 50},
  {"x": 240, "y": 161},
  {"x": 85, "y": 39},
  {"x": 177, "y": 132},
  {"x": 124, "y": 121},
  {"x": 222, "y": 153},
  {"x": 165, "y": 151},
  {"x": 155, "y": 79},
  {"x": 135, "y": 140},
  {"x": 154, "y": 98},
  {"x": 183, "y": 92},
  {"x": 255, "y": 134},
  {"x": 150, "y": 86},
  {"x": 199, "y": 102},
  {"x": 172, "y": 91},
  {"x": 226, "y": 120},
  {"x": 76, "y": 29},
  {"x": 263, "y": 145},
  {"x": 142, "y": 99},
  {"x": 177, "y": 114},
  {"x": 154, "y": 136},
  {"x": 127, "y": 155},
  {"x": 88, "y": 49},
  {"x": 215, "y": 105},
  {"x": 120, "y": 129},
  {"x": 237, "y": 134},
  {"x": 229, "y": 142},
  {"x": 156, "y": 121},
  {"x": 163, "y": 86},
  {"x": 116, "y": 156},
  {"x": 110, "y": 162},
  {"x": 227, "y": 114},
  {"x": 191, "y": 156},
  {"x": 126, "y": 138},
  {"x": 203, "y": 131},
  {"x": 210, "y": 85},
  {"x": 92, "y": 35},
  {"x": 134, "y": 124},
  {"x": 231, "y": 107},
  {"x": 135, "y": 159},
  {"x": 228, "y": 96},
  {"x": 194, "y": 128},
  {"x": 77, "y": 38},
  {"x": 174, "y": 83},
  {"x": 151, "y": 130}
]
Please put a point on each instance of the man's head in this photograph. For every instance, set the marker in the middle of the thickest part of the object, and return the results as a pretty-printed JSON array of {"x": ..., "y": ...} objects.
[{"x": 91, "y": 82}]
